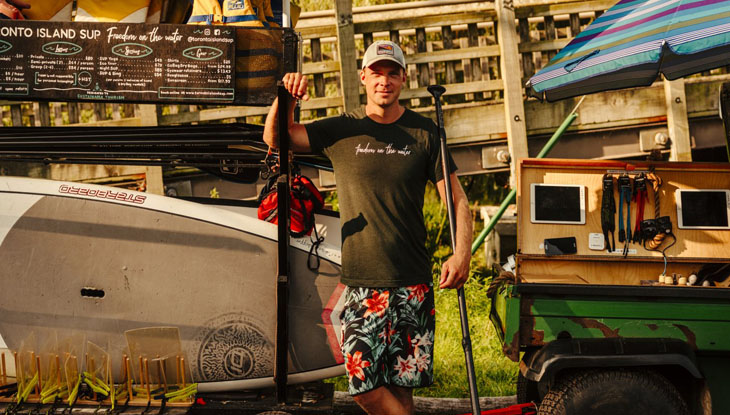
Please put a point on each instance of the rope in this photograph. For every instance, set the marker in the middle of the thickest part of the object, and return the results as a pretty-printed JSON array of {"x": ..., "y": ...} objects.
[
  {"x": 656, "y": 183},
  {"x": 504, "y": 277}
]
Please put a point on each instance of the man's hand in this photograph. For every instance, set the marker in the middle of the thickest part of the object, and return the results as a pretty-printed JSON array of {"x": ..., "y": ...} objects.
[
  {"x": 455, "y": 272},
  {"x": 10, "y": 8},
  {"x": 296, "y": 84}
]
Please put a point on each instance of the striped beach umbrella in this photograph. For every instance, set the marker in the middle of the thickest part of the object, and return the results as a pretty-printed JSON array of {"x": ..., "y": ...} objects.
[{"x": 635, "y": 40}]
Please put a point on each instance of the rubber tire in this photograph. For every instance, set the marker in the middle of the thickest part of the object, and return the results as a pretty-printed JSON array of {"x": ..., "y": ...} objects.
[
  {"x": 526, "y": 390},
  {"x": 612, "y": 392}
]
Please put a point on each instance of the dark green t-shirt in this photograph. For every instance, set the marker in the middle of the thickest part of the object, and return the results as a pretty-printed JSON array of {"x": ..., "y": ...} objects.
[{"x": 381, "y": 172}]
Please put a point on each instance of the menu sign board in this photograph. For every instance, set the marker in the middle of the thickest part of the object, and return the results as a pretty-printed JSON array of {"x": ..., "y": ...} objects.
[{"x": 117, "y": 62}]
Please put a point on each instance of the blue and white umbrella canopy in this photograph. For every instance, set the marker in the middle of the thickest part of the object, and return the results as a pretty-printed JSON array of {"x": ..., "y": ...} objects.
[{"x": 635, "y": 40}]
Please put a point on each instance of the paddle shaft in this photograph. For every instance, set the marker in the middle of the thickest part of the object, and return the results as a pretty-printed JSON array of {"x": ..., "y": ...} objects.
[
  {"x": 281, "y": 345},
  {"x": 437, "y": 91}
]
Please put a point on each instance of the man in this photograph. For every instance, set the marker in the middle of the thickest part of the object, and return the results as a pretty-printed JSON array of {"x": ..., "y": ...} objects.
[{"x": 383, "y": 155}]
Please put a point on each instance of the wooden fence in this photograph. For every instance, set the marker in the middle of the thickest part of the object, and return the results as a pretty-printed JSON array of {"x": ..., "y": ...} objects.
[
  {"x": 455, "y": 43},
  {"x": 452, "y": 43}
]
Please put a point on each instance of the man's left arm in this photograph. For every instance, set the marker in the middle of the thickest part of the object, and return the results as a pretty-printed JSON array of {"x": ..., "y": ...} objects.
[{"x": 455, "y": 271}]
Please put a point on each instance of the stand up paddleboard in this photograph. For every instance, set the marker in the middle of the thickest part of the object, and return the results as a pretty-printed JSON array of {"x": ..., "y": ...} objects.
[{"x": 98, "y": 261}]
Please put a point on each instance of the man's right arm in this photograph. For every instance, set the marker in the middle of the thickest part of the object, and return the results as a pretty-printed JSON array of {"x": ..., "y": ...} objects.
[{"x": 296, "y": 84}]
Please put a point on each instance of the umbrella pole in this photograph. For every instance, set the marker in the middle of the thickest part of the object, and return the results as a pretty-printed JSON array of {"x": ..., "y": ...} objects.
[
  {"x": 725, "y": 113},
  {"x": 513, "y": 193},
  {"x": 437, "y": 91}
]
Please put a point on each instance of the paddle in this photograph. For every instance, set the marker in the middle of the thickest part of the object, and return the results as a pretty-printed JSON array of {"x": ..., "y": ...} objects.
[{"x": 437, "y": 91}]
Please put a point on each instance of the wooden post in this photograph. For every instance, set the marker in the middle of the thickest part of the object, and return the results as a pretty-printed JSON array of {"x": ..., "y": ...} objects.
[
  {"x": 528, "y": 66},
  {"x": 575, "y": 24},
  {"x": 349, "y": 78},
  {"x": 677, "y": 123},
  {"x": 475, "y": 64},
  {"x": 367, "y": 39},
  {"x": 424, "y": 77},
  {"x": 448, "y": 40},
  {"x": 549, "y": 35},
  {"x": 514, "y": 111},
  {"x": 725, "y": 113},
  {"x": 319, "y": 87},
  {"x": 16, "y": 115},
  {"x": 153, "y": 174},
  {"x": 73, "y": 112},
  {"x": 44, "y": 114}
]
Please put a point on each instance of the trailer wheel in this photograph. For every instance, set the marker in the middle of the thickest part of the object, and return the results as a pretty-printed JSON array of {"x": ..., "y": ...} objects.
[
  {"x": 611, "y": 392},
  {"x": 526, "y": 390}
]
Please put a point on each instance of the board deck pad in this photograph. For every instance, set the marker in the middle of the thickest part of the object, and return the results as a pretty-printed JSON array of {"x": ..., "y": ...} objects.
[
  {"x": 208, "y": 272},
  {"x": 129, "y": 62}
]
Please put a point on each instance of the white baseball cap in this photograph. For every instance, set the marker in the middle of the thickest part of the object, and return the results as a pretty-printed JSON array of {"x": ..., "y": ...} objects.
[{"x": 383, "y": 50}]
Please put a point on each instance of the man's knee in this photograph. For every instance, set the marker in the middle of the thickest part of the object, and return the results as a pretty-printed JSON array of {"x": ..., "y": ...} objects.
[{"x": 369, "y": 398}]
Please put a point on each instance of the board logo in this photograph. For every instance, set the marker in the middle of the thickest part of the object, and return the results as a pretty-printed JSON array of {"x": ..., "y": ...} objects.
[
  {"x": 202, "y": 53},
  {"x": 5, "y": 46},
  {"x": 102, "y": 194},
  {"x": 132, "y": 50},
  {"x": 233, "y": 347},
  {"x": 61, "y": 48}
]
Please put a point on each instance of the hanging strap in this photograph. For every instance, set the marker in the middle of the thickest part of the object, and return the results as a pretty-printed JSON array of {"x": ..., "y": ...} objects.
[
  {"x": 608, "y": 212},
  {"x": 313, "y": 251},
  {"x": 624, "y": 188},
  {"x": 640, "y": 196}
]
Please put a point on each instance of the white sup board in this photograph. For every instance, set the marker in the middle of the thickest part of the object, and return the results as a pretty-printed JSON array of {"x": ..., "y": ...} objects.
[{"x": 151, "y": 261}]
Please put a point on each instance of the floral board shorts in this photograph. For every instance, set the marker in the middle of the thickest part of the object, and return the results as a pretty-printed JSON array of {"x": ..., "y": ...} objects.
[{"x": 388, "y": 336}]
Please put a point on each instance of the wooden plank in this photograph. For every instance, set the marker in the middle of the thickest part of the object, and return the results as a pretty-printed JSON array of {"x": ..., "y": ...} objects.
[
  {"x": 677, "y": 122},
  {"x": 454, "y": 54},
  {"x": 349, "y": 80},
  {"x": 424, "y": 77},
  {"x": 557, "y": 271},
  {"x": 528, "y": 66},
  {"x": 236, "y": 112},
  {"x": 544, "y": 45},
  {"x": 454, "y": 89},
  {"x": 514, "y": 110},
  {"x": 425, "y": 21},
  {"x": 319, "y": 87},
  {"x": 320, "y": 67},
  {"x": 562, "y": 8}
]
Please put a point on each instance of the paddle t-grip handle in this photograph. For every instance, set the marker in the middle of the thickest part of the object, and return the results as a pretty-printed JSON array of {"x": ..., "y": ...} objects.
[{"x": 436, "y": 91}]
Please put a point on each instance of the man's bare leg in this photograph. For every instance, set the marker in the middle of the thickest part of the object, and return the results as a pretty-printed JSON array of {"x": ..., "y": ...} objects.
[
  {"x": 386, "y": 401},
  {"x": 405, "y": 396}
]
